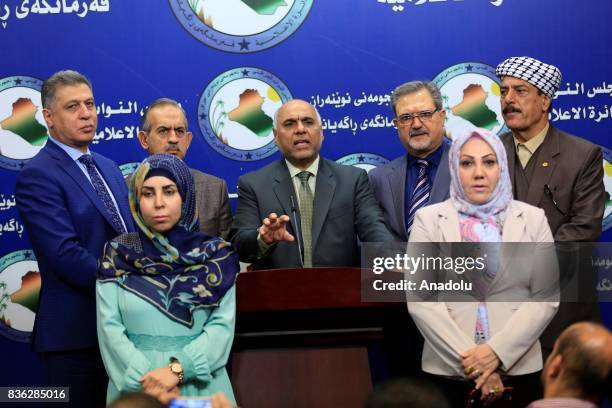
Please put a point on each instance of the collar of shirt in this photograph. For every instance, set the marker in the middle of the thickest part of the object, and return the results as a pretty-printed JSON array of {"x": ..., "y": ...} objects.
[
  {"x": 532, "y": 144},
  {"x": 70, "y": 151},
  {"x": 313, "y": 168},
  {"x": 433, "y": 159}
]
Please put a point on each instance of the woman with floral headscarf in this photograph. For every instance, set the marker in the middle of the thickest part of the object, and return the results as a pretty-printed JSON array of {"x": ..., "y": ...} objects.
[
  {"x": 165, "y": 294},
  {"x": 489, "y": 339}
]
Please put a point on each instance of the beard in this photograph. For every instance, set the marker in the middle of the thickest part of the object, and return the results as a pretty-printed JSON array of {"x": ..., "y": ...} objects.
[{"x": 420, "y": 144}]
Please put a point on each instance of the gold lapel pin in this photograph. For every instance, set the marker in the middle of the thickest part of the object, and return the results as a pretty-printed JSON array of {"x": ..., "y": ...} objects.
[{"x": 545, "y": 164}]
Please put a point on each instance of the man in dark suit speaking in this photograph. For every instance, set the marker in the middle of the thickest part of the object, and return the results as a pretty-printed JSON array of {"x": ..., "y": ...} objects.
[
  {"x": 304, "y": 210},
  {"x": 72, "y": 202}
]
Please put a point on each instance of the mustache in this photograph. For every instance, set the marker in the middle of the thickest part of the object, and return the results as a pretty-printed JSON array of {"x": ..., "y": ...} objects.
[
  {"x": 511, "y": 109},
  {"x": 417, "y": 132}
]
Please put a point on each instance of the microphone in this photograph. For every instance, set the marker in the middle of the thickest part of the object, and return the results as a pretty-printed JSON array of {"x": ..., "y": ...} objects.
[{"x": 298, "y": 235}]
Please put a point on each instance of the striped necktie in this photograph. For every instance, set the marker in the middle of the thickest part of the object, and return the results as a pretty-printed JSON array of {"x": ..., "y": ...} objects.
[{"x": 420, "y": 194}]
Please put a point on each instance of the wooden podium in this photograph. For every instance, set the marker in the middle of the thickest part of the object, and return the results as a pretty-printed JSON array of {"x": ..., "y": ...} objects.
[{"x": 302, "y": 337}]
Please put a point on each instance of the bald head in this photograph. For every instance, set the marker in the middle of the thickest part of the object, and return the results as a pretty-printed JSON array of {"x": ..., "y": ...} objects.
[
  {"x": 297, "y": 132},
  {"x": 580, "y": 363}
]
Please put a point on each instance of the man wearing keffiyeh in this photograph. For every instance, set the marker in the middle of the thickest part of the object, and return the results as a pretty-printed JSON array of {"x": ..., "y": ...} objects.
[{"x": 553, "y": 170}]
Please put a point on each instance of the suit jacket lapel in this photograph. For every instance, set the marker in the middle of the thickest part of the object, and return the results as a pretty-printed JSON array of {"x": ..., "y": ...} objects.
[
  {"x": 513, "y": 231},
  {"x": 544, "y": 168},
  {"x": 439, "y": 189},
  {"x": 117, "y": 188},
  {"x": 72, "y": 169},
  {"x": 397, "y": 186},
  {"x": 324, "y": 193},
  {"x": 508, "y": 141},
  {"x": 283, "y": 189},
  {"x": 449, "y": 223}
]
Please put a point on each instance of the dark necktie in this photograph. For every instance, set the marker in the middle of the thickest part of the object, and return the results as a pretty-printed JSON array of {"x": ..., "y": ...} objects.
[
  {"x": 306, "y": 201},
  {"x": 420, "y": 194},
  {"x": 102, "y": 192}
]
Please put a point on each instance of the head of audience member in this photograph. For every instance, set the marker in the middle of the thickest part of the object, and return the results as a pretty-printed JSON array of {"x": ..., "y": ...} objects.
[
  {"x": 480, "y": 180},
  {"x": 136, "y": 400},
  {"x": 527, "y": 89},
  {"x": 580, "y": 365},
  {"x": 406, "y": 392},
  {"x": 69, "y": 109},
  {"x": 419, "y": 117},
  {"x": 164, "y": 129},
  {"x": 298, "y": 133},
  {"x": 162, "y": 196}
]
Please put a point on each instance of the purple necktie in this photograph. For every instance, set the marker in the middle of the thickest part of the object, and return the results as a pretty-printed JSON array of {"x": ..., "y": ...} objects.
[{"x": 102, "y": 192}]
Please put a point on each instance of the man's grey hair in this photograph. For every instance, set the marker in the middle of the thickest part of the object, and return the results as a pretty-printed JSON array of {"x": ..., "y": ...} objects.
[
  {"x": 275, "y": 118},
  {"x": 415, "y": 86},
  {"x": 145, "y": 125},
  {"x": 58, "y": 80}
]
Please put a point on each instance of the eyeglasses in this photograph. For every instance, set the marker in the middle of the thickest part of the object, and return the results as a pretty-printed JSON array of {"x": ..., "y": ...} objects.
[{"x": 407, "y": 118}]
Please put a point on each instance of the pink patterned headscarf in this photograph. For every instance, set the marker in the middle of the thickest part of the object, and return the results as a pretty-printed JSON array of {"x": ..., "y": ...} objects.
[{"x": 502, "y": 195}]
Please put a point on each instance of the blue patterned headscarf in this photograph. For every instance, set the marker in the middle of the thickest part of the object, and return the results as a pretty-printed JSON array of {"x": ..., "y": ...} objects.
[
  {"x": 177, "y": 271},
  {"x": 502, "y": 195}
]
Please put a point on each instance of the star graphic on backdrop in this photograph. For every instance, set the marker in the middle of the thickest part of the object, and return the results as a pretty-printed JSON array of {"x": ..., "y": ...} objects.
[
  {"x": 202, "y": 116},
  {"x": 18, "y": 81},
  {"x": 361, "y": 158},
  {"x": 249, "y": 156},
  {"x": 469, "y": 67},
  {"x": 28, "y": 255},
  {"x": 244, "y": 45},
  {"x": 245, "y": 72}
]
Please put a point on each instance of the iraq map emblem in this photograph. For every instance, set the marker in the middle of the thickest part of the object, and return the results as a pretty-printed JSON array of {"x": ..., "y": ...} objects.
[
  {"x": 22, "y": 125},
  {"x": 607, "y": 163},
  {"x": 470, "y": 95},
  {"x": 19, "y": 291},
  {"x": 241, "y": 26},
  {"x": 236, "y": 110}
]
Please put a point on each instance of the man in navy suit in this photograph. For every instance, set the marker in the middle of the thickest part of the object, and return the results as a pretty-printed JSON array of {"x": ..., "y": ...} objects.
[
  {"x": 72, "y": 201},
  {"x": 411, "y": 181},
  {"x": 419, "y": 118}
]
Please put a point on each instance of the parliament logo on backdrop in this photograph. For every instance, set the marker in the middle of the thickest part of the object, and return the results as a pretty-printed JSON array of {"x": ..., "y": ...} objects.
[
  {"x": 470, "y": 95},
  {"x": 607, "y": 163},
  {"x": 241, "y": 26},
  {"x": 22, "y": 125},
  {"x": 19, "y": 290},
  {"x": 366, "y": 161},
  {"x": 236, "y": 110}
]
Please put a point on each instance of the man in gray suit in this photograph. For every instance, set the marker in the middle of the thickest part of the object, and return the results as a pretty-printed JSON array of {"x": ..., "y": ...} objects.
[
  {"x": 164, "y": 129},
  {"x": 331, "y": 205},
  {"x": 413, "y": 180},
  {"x": 553, "y": 170},
  {"x": 419, "y": 118}
]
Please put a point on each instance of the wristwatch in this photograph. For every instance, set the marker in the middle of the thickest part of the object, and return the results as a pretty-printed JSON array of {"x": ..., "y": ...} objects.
[{"x": 177, "y": 369}]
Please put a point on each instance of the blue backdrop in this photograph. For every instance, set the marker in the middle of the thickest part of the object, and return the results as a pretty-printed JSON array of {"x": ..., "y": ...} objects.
[{"x": 215, "y": 56}]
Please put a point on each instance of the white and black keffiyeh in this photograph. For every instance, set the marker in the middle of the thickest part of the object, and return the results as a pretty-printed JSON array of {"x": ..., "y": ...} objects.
[{"x": 545, "y": 77}]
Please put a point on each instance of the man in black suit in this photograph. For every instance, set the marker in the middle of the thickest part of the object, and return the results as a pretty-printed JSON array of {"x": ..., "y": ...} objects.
[{"x": 331, "y": 204}]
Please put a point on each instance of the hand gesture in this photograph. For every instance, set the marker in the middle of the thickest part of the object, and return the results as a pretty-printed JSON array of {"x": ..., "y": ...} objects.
[{"x": 273, "y": 229}]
